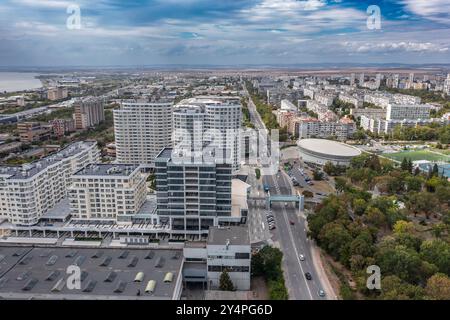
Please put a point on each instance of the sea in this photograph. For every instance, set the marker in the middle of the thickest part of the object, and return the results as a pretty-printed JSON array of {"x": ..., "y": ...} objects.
[{"x": 18, "y": 81}]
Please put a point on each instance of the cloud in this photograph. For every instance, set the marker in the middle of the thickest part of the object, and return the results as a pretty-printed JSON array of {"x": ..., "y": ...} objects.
[
  {"x": 436, "y": 10},
  {"x": 403, "y": 46}
]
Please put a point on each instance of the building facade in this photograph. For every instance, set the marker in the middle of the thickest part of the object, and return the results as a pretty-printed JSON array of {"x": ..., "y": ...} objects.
[
  {"x": 88, "y": 113},
  {"x": 142, "y": 130},
  {"x": 192, "y": 197},
  {"x": 107, "y": 191},
  {"x": 27, "y": 192}
]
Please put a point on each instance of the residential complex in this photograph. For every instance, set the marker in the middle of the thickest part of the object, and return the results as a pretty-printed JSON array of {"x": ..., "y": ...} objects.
[
  {"x": 142, "y": 129},
  {"x": 28, "y": 191},
  {"x": 112, "y": 192}
]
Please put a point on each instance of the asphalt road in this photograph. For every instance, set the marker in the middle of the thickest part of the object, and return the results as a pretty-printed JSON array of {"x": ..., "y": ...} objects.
[
  {"x": 292, "y": 238},
  {"x": 294, "y": 242}
]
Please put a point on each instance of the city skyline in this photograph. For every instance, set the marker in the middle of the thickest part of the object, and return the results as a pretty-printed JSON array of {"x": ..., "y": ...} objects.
[{"x": 200, "y": 32}]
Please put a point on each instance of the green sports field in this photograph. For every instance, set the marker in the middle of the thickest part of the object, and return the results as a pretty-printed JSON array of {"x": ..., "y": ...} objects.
[{"x": 417, "y": 155}]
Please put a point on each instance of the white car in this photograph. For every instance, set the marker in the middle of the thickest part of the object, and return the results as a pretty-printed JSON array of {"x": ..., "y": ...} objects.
[{"x": 301, "y": 257}]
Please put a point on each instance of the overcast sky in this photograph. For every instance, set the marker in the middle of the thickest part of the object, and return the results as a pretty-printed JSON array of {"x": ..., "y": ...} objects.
[{"x": 222, "y": 32}]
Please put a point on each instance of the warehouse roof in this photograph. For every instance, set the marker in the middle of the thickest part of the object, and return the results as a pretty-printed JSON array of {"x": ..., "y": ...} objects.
[{"x": 105, "y": 273}]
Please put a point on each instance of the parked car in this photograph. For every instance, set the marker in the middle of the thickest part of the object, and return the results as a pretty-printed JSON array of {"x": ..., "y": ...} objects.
[{"x": 291, "y": 222}]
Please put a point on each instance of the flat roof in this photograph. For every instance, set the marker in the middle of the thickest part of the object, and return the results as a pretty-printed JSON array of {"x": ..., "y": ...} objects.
[
  {"x": 237, "y": 235},
  {"x": 28, "y": 170},
  {"x": 22, "y": 266},
  {"x": 107, "y": 169},
  {"x": 329, "y": 147},
  {"x": 165, "y": 154}
]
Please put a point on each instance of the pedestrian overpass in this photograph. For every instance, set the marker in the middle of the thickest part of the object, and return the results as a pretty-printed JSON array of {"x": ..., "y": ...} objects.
[{"x": 267, "y": 201}]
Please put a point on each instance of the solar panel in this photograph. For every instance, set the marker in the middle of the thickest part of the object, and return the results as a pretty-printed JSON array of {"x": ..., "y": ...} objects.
[
  {"x": 133, "y": 262},
  {"x": 71, "y": 254},
  {"x": 30, "y": 284},
  {"x": 79, "y": 260},
  {"x": 23, "y": 276},
  {"x": 83, "y": 275},
  {"x": 25, "y": 260},
  {"x": 53, "y": 275},
  {"x": 106, "y": 262},
  {"x": 120, "y": 287},
  {"x": 51, "y": 261},
  {"x": 90, "y": 286},
  {"x": 149, "y": 255},
  {"x": 59, "y": 285},
  {"x": 111, "y": 277},
  {"x": 159, "y": 262},
  {"x": 18, "y": 253},
  {"x": 123, "y": 255},
  {"x": 98, "y": 254}
]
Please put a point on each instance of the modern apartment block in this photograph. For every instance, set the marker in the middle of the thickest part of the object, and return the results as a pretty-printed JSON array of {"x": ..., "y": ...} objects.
[
  {"x": 27, "y": 192},
  {"x": 142, "y": 129},
  {"x": 107, "y": 192},
  {"x": 407, "y": 111},
  {"x": 192, "y": 197},
  {"x": 210, "y": 121},
  {"x": 383, "y": 126},
  {"x": 88, "y": 112}
]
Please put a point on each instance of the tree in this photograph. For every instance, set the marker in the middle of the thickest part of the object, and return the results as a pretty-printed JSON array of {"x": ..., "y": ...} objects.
[
  {"x": 404, "y": 164},
  {"x": 402, "y": 226},
  {"x": 438, "y": 287},
  {"x": 393, "y": 288},
  {"x": 400, "y": 261},
  {"x": 436, "y": 252},
  {"x": 334, "y": 237},
  {"x": 225, "y": 283},
  {"x": 317, "y": 175}
]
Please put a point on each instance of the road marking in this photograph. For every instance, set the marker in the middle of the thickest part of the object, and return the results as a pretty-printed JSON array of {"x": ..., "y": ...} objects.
[{"x": 294, "y": 245}]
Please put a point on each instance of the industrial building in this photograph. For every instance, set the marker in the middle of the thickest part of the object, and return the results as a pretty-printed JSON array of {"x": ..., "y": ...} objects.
[{"x": 134, "y": 274}]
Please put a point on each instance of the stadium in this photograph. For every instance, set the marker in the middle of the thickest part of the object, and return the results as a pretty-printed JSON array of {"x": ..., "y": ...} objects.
[{"x": 320, "y": 151}]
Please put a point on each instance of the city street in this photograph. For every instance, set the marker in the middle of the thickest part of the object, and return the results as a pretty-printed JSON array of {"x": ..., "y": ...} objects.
[{"x": 291, "y": 238}]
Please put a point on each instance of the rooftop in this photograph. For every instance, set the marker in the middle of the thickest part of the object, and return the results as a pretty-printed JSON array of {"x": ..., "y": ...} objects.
[
  {"x": 329, "y": 147},
  {"x": 107, "y": 169},
  {"x": 28, "y": 170},
  {"x": 237, "y": 235},
  {"x": 106, "y": 273}
]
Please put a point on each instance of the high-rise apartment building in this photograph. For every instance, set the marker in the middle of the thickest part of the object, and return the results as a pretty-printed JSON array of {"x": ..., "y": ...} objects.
[
  {"x": 57, "y": 93},
  {"x": 213, "y": 121},
  {"x": 142, "y": 129},
  {"x": 88, "y": 112},
  {"x": 107, "y": 191},
  {"x": 447, "y": 85},
  {"x": 407, "y": 111},
  {"x": 27, "y": 192},
  {"x": 192, "y": 197}
]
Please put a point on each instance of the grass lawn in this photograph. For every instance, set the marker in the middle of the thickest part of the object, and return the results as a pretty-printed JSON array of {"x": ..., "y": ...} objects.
[{"x": 417, "y": 155}]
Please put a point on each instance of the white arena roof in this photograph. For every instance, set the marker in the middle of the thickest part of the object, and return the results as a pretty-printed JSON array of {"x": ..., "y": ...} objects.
[{"x": 329, "y": 147}]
